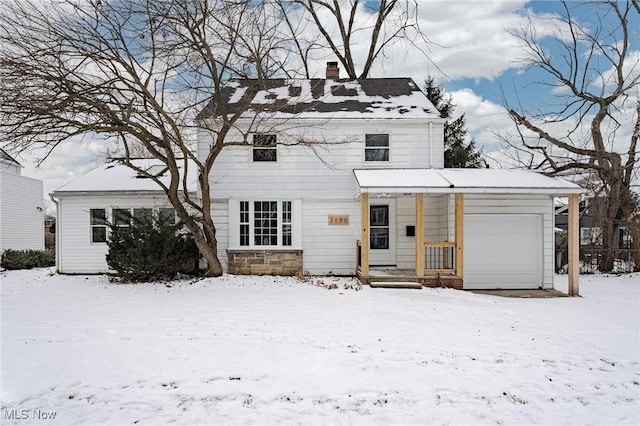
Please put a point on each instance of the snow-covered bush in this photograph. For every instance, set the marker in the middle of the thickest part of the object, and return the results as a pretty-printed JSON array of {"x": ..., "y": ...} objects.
[{"x": 151, "y": 248}]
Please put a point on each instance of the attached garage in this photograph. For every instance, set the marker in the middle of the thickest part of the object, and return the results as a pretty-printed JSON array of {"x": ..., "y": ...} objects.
[
  {"x": 503, "y": 251},
  {"x": 487, "y": 229}
]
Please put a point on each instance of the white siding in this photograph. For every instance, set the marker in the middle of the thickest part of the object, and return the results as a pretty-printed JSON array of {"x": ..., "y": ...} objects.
[
  {"x": 220, "y": 216},
  {"x": 21, "y": 211},
  {"x": 76, "y": 253},
  {"x": 322, "y": 178},
  {"x": 327, "y": 170},
  {"x": 514, "y": 205},
  {"x": 330, "y": 249}
]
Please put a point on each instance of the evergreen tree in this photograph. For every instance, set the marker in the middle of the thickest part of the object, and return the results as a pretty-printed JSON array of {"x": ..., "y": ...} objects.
[{"x": 457, "y": 153}]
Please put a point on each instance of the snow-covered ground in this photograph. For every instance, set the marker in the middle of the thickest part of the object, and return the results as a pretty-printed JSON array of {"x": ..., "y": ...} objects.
[{"x": 272, "y": 350}]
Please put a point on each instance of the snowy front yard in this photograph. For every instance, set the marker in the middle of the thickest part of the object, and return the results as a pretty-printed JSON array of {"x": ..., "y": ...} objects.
[{"x": 271, "y": 350}]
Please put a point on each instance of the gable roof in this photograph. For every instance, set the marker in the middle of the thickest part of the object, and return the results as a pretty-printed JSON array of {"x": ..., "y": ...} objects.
[
  {"x": 7, "y": 158},
  {"x": 468, "y": 181},
  {"x": 325, "y": 98},
  {"x": 114, "y": 176}
]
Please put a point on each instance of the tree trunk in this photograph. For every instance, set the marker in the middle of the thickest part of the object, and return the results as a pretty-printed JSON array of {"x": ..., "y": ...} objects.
[{"x": 208, "y": 246}]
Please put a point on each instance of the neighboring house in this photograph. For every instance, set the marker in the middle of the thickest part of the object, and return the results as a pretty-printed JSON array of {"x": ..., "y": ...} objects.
[
  {"x": 21, "y": 211},
  {"x": 590, "y": 228},
  {"x": 111, "y": 192},
  {"x": 345, "y": 177},
  {"x": 590, "y": 235}
]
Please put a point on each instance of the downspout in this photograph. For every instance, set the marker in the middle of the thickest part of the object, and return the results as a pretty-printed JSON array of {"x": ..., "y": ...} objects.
[
  {"x": 431, "y": 144},
  {"x": 57, "y": 235}
]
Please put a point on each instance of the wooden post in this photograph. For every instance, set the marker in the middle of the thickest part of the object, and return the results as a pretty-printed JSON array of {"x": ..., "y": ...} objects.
[
  {"x": 574, "y": 246},
  {"x": 364, "y": 237},
  {"x": 459, "y": 229},
  {"x": 420, "y": 235}
]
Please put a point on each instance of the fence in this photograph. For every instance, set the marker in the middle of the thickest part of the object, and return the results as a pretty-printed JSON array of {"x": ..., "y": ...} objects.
[{"x": 591, "y": 260}]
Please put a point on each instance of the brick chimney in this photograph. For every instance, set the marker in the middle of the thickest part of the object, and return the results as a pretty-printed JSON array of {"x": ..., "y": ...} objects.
[{"x": 333, "y": 72}]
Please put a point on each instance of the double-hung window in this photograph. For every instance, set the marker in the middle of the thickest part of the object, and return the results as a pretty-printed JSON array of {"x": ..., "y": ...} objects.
[
  {"x": 264, "y": 148},
  {"x": 376, "y": 147},
  {"x": 98, "y": 225},
  {"x": 266, "y": 223}
]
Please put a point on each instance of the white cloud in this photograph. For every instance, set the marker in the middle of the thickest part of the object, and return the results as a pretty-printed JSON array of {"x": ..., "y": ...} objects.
[
  {"x": 469, "y": 39},
  {"x": 483, "y": 117},
  {"x": 68, "y": 161}
]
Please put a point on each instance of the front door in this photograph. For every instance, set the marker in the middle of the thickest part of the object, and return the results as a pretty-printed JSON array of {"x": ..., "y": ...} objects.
[{"x": 382, "y": 233}]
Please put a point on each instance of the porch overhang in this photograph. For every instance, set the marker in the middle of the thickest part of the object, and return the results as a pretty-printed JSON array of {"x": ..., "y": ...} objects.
[
  {"x": 399, "y": 182},
  {"x": 390, "y": 183}
]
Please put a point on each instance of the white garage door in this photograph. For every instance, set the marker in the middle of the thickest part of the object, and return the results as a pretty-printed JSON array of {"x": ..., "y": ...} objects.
[{"x": 502, "y": 251}]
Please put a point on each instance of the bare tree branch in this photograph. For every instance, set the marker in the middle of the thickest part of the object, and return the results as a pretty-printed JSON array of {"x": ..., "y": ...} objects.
[{"x": 594, "y": 76}]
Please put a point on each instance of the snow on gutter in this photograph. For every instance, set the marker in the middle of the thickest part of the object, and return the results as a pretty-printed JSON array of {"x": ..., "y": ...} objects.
[{"x": 451, "y": 181}]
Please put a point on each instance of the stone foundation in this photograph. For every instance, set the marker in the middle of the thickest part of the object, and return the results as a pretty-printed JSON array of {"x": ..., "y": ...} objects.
[{"x": 265, "y": 262}]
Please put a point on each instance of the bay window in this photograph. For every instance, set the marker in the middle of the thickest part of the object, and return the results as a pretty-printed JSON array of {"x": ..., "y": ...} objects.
[{"x": 264, "y": 223}]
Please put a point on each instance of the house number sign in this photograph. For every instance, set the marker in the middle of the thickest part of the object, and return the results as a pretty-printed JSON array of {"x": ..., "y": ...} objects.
[{"x": 338, "y": 219}]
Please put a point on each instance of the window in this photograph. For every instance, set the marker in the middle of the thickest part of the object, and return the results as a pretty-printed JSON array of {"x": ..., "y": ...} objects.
[
  {"x": 98, "y": 225},
  {"x": 167, "y": 213},
  {"x": 286, "y": 223},
  {"x": 624, "y": 238},
  {"x": 590, "y": 236},
  {"x": 145, "y": 214},
  {"x": 264, "y": 148},
  {"x": 266, "y": 223},
  {"x": 379, "y": 227},
  {"x": 376, "y": 147},
  {"x": 121, "y": 217},
  {"x": 244, "y": 223}
]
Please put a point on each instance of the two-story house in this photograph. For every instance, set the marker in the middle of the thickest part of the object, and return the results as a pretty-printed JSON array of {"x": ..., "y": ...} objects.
[
  {"x": 345, "y": 177},
  {"x": 21, "y": 207}
]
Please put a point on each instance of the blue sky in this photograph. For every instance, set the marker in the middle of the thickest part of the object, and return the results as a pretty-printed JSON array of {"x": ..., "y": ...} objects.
[{"x": 472, "y": 55}]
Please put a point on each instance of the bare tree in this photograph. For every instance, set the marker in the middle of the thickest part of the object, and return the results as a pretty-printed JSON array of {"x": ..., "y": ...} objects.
[
  {"x": 139, "y": 72},
  {"x": 339, "y": 22},
  {"x": 594, "y": 77}
]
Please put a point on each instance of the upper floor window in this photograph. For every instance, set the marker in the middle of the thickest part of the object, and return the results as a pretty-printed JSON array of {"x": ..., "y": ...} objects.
[
  {"x": 376, "y": 147},
  {"x": 264, "y": 147}
]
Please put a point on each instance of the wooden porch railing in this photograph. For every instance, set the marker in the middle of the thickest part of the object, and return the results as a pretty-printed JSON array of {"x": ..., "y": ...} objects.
[{"x": 440, "y": 257}]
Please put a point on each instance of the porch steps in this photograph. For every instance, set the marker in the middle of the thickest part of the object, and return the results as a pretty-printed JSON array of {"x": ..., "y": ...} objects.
[{"x": 395, "y": 284}]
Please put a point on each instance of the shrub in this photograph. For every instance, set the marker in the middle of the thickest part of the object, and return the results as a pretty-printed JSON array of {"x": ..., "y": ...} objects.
[
  {"x": 27, "y": 259},
  {"x": 151, "y": 249}
]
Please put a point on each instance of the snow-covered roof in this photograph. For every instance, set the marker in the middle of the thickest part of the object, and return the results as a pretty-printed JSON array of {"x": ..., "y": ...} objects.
[
  {"x": 115, "y": 176},
  {"x": 446, "y": 181},
  {"x": 325, "y": 98}
]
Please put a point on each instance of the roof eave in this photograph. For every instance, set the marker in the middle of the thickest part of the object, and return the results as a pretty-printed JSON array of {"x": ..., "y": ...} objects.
[{"x": 147, "y": 192}]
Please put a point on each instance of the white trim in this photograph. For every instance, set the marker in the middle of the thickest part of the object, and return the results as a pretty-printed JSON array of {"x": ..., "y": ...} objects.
[
  {"x": 468, "y": 181},
  {"x": 234, "y": 225},
  {"x": 364, "y": 150}
]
